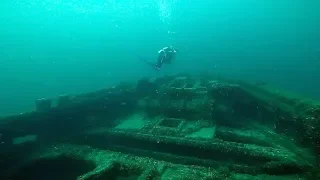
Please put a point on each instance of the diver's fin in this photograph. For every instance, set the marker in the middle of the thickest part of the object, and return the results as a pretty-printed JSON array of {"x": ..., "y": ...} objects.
[
  {"x": 156, "y": 67},
  {"x": 149, "y": 63}
]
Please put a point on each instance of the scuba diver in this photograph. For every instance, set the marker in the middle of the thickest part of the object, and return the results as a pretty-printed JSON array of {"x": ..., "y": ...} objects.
[{"x": 166, "y": 55}]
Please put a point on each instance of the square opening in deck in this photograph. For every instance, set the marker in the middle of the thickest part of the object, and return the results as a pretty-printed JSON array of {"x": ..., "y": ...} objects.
[
  {"x": 189, "y": 85},
  {"x": 170, "y": 122}
]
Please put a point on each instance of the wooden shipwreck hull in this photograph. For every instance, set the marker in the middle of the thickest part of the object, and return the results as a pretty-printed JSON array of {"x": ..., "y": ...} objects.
[{"x": 174, "y": 127}]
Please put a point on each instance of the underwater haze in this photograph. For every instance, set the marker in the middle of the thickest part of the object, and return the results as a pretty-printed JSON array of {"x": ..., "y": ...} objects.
[{"x": 53, "y": 47}]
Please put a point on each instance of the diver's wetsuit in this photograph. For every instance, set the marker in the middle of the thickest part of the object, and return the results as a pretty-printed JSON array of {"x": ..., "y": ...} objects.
[{"x": 165, "y": 56}]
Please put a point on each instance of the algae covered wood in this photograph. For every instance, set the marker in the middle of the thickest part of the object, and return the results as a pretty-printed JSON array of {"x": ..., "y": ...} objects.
[{"x": 183, "y": 127}]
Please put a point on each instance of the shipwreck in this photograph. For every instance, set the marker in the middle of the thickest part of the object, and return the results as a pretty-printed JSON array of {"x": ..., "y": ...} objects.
[{"x": 173, "y": 127}]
